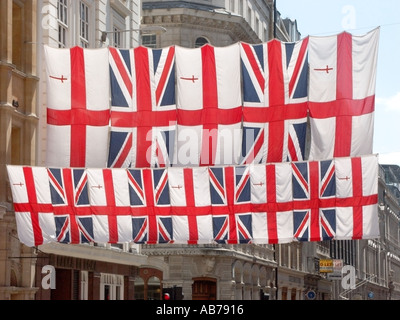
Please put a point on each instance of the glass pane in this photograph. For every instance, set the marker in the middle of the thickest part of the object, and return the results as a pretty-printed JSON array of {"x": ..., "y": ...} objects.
[
  {"x": 139, "y": 289},
  {"x": 154, "y": 289}
]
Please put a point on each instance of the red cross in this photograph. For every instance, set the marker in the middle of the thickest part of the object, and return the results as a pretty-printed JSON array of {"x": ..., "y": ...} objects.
[
  {"x": 315, "y": 202},
  {"x": 79, "y": 116},
  {"x": 231, "y": 207},
  {"x": 70, "y": 208},
  {"x": 357, "y": 200},
  {"x": 271, "y": 207},
  {"x": 152, "y": 209},
  {"x": 145, "y": 118},
  {"x": 190, "y": 210},
  {"x": 277, "y": 111},
  {"x": 111, "y": 210},
  {"x": 32, "y": 206},
  {"x": 210, "y": 116},
  {"x": 344, "y": 107}
]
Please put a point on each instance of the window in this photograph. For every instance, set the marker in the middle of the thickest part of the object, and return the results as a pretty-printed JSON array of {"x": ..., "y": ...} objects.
[
  {"x": 119, "y": 25},
  {"x": 17, "y": 32},
  {"x": 84, "y": 285},
  {"x": 153, "y": 288},
  {"x": 111, "y": 287},
  {"x": 117, "y": 37},
  {"x": 149, "y": 40},
  {"x": 257, "y": 26},
  {"x": 139, "y": 288},
  {"x": 84, "y": 25},
  {"x": 249, "y": 20},
  {"x": 62, "y": 16},
  {"x": 200, "y": 42},
  {"x": 16, "y": 143},
  {"x": 232, "y": 5}
]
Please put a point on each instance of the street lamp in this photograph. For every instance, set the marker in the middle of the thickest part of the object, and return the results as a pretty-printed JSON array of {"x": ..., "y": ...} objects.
[{"x": 146, "y": 29}]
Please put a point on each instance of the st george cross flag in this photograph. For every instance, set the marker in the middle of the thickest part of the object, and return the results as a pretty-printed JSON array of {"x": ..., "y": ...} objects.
[
  {"x": 32, "y": 205},
  {"x": 342, "y": 94},
  {"x": 275, "y": 82},
  {"x": 78, "y": 111},
  {"x": 143, "y": 109},
  {"x": 189, "y": 189},
  {"x": 231, "y": 204},
  {"x": 314, "y": 200},
  {"x": 356, "y": 192},
  {"x": 72, "y": 211},
  {"x": 109, "y": 200},
  {"x": 209, "y": 105},
  {"x": 272, "y": 203}
]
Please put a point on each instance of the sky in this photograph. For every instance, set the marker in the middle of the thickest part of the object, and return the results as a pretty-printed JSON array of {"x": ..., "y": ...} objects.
[{"x": 329, "y": 17}]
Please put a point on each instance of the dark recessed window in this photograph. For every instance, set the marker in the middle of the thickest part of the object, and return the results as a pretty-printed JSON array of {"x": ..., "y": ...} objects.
[{"x": 200, "y": 42}]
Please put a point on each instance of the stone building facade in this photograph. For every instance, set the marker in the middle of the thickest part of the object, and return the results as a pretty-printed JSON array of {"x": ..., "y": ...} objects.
[
  {"x": 18, "y": 132},
  {"x": 192, "y": 272},
  {"x": 92, "y": 271},
  {"x": 239, "y": 272}
]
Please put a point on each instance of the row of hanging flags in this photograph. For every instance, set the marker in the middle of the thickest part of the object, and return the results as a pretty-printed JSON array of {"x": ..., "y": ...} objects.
[{"x": 183, "y": 145}]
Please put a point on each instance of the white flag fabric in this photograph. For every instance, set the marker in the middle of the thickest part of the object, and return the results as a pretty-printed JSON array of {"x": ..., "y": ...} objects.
[
  {"x": 32, "y": 204},
  {"x": 342, "y": 94},
  {"x": 191, "y": 205},
  {"x": 357, "y": 178},
  {"x": 271, "y": 197},
  {"x": 266, "y": 203},
  {"x": 109, "y": 199},
  {"x": 209, "y": 105},
  {"x": 78, "y": 110}
]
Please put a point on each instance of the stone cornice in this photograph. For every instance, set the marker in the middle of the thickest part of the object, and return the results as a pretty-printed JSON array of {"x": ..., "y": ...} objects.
[
  {"x": 217, "y": 250},
  {"x": 235, "y": 26},
  {"x": 94, "y": 253}
]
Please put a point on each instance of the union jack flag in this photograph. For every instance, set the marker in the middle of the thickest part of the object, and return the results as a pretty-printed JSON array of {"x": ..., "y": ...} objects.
[
  {"x": 72, "y": 212},
  {"x": 140, "y": 229},
  {"x": 150, "y": 206},
  {"x": 275, "y": 101},
  {"x": 143, "y": 108},
  {"x": 231, "y": 208},
  {"x": 314, "y": 200}
]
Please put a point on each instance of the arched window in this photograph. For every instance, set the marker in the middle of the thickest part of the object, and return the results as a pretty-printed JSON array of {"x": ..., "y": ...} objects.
[
  {"x": 139, "y": 288},
  {"x": 153, "y": 289},
  {"x": 200, "y": 41}
]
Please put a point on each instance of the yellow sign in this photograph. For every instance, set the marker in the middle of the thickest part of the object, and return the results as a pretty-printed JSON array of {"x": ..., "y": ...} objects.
[{"x": 326, "y": 265}]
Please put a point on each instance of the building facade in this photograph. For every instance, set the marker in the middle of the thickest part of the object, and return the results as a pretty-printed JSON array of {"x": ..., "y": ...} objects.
[
  {"x": 18, "y": 132},
  {"x": 225, "y": 272},
  {"x": 58, "y": 271},
  {"x": 191, "y": 272}
]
